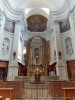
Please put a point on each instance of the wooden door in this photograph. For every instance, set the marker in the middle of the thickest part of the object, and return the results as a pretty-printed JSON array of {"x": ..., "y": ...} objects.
[{"x": 71, "y": 69}]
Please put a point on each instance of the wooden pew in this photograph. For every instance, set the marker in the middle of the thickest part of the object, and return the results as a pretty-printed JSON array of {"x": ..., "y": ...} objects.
[
  {"x": 68, "y": 93},
  {"x": 18, "y": 88},
  {"x": 6, "y": 93},
  {"x": 56, "y": 87},
  {"x": 1, "y": 97}
]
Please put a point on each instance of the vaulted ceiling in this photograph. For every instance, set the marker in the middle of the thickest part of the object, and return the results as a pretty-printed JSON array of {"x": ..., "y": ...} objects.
[
  {"x": 42, "y": 7},
  {"x": 53, "y": 4}
]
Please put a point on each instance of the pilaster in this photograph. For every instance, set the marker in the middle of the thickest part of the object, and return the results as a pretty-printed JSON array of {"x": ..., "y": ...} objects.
[
  {"x": 14, "y": 58},
  {"x": 61, "y": 67}
]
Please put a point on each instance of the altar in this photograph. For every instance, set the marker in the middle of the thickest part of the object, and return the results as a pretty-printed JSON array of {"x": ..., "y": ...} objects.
[
  {"x": 37, "y": 79},
  {"x": 37, "y": 76}
]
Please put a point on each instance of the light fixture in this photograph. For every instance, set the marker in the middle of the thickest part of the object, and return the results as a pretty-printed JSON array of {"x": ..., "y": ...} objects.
[
  {"x": 14, "y": 55},
  {"x": 24, "y": 50},
  {"x": 60, "y": 55}
]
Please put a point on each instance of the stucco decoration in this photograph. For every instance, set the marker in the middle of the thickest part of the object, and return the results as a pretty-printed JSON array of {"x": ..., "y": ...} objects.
[
  {"x": 68, "y": 45},
  {"x": 5, "y": 46}
]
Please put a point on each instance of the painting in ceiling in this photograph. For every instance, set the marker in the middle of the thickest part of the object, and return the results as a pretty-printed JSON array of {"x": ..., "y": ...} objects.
[{"x": 37, "y": 23}]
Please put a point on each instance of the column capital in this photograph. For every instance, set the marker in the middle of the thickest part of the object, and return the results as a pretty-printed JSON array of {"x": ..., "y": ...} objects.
[
  {"x": 56, "y": 22},
  {"x": 17, "y": 21}
]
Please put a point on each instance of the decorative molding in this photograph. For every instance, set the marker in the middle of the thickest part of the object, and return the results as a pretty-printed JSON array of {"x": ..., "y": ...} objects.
[
  {"x": 8, "y": 34},
  {"x": 55, "y": 22},
  {"x": 11, "y": 9},
  {"x": 1, "y": 17},
  {"x": 17, "y": 21},
  {"x": 71, "y": 11}
]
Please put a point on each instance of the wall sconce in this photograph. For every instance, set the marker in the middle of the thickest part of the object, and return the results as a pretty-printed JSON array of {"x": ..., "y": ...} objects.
[
  {"x": 14, "y": 55},
  {"x": 60, "y": 55},
  {"x": 24, "y": 50}
]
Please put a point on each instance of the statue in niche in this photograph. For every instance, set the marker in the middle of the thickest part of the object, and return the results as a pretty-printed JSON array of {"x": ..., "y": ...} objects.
[
  {"x": 5, "y": 46},
  {"x": 36, "y": 52},
  {"x": 36, "y": 55},
  {"x": 68, "y": 45}
]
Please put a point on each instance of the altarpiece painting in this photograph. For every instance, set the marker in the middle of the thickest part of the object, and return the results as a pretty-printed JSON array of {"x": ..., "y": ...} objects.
[
  {"x": 9, "y": 25},
  {"x": 64, "y": 25}
]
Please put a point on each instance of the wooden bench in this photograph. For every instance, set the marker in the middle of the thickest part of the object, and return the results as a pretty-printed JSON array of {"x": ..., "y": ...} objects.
[
  {"x": 6, "y": 93},
  {"x": 56, "y": 87},
  {"x": 1, "y": 97},
  {"x": 68, "y": 93},
  {"x": 18, "y": 88}
]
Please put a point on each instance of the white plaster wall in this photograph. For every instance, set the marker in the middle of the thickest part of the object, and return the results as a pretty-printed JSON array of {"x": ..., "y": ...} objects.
[
  {"x": 1, "y": 5},
  {"x": 72, "y": 4},
  {"x": 44, "y": 34}
]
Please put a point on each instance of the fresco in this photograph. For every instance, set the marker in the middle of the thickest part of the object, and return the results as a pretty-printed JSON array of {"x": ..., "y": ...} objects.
[
  {"x": 64, "y": 25},
  {"x": 37, "y": 23},
  {"x": 9, "y": 26}
]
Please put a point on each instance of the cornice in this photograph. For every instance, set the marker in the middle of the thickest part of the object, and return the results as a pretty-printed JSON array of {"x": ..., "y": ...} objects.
[
  {"x": 57, "y": 18},
  {"x": 71, "y": 11},
  {"x": 12, "y": 10},
  {"x": 1, "y": 14},
  {"x": 63, "y": 7},
  {"x": 62, "y": 10}
]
